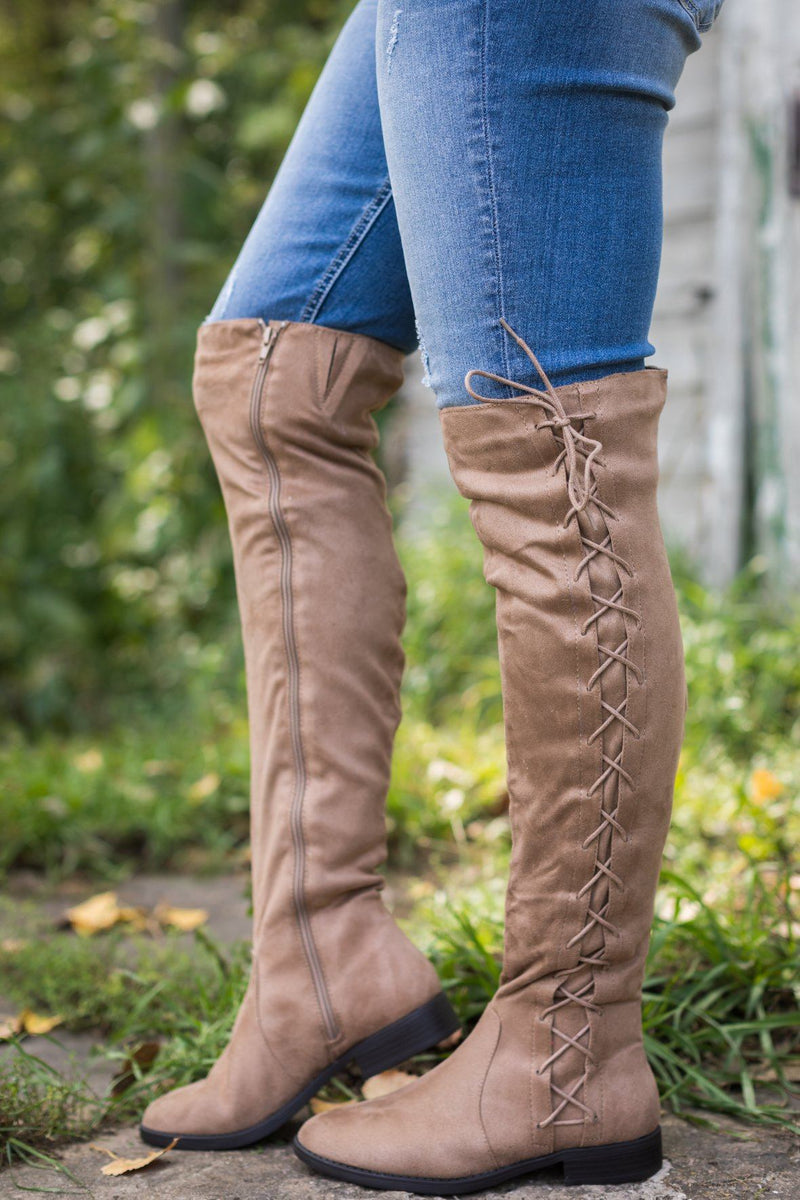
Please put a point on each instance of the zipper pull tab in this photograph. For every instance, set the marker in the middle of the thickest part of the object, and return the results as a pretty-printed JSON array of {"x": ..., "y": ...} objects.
[{"x": 266, "y": 342}]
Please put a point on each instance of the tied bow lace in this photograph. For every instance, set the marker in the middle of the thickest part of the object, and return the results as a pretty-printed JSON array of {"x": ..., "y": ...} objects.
[{"x": 576, "y": 443}]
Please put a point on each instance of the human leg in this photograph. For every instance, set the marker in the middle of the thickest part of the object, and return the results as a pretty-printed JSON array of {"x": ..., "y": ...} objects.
[
  {"x": 524, "y": 148},
  {"x": 562, "y": 483},
  {"x": 325, "y": 247},
  {"x": 286, "y": 406}
]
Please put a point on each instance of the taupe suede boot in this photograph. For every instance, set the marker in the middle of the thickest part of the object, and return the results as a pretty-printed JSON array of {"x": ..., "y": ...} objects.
[
  {"x": 286, "y": 410},
  {"x": 563, "y": 490}
]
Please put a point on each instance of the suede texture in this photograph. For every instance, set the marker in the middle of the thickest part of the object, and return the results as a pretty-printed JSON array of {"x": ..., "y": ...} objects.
[
  {"x": 594, "y": 700},
  {"x": 322, "y": 603}
]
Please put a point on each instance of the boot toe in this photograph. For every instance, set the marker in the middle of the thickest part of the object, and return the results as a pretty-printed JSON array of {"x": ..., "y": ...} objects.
[
  {"x": 177, "y": 1112},
  {"x": 429, "y": 1129},
  {"x": 372, "y": 1136}
]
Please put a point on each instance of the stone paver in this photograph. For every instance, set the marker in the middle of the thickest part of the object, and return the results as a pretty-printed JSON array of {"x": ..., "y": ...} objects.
[{"x": 701, "y": 1165}]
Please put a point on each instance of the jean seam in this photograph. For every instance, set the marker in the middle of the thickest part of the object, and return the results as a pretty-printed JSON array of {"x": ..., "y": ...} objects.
[
  {"x": 694, "y": 12},
  {"x": 369, "y": 214},
  {"x": 490, "y": 179}
]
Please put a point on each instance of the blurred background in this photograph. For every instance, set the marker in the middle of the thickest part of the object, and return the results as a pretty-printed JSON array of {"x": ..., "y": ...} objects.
[{"x": 138, "y": 141}]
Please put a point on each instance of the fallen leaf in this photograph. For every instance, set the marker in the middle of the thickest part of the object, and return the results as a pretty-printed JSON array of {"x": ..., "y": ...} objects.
[
  {"x": 318, "y": 1105},
  {"x": 135, "y": 916},
  {"x": 95, "y": 914},
  {"x": 12, "y": 945},
  {"x": 449, "y": 1043},
  {"x": 103, "y": 911},
  {"x": 204, "y": 787},
  {"x": 142, "y": 1057},
  {"x": 121, "y": 1166},
  {"x": 789, "y": 1070},
  {"x": 33, "y": 1023},
  {"x": 26, "y": 1022},
  {"x": 185, "y": 919},
  {"x": 9, "y": 1027},
  {"x": 385, "y": 1083},
  {"x": 89, "y": 761}
]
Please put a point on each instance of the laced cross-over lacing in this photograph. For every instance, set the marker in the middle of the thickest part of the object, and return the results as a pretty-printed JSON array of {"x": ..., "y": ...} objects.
[{"x": 579, "y": 456}]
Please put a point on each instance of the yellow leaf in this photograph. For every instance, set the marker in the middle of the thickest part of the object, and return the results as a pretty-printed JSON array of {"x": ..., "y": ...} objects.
[
  {"x": 89, "y": 762},
  {"x": 34, "y": 1023},
  {"x": 26, "y": 1022},
  {"x": 9, "y": 1027},
  {"x": 185, "y": 919},
  {"x": 318, "y": 1105},
  {"x": 764, "y": 786},
  {"x": 204, "y": 787},
  {"x": 385, "y": 1083},
  {"x": 137, "y": 917},
  {"x": 121, "y": 1166},
  {"x": 96, "y": 913}
]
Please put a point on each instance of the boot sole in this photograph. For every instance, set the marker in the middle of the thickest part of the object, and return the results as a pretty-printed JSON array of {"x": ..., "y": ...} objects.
[
  {"x": 619, "y": 1162},
  {"x": 416, "y": 1031}
]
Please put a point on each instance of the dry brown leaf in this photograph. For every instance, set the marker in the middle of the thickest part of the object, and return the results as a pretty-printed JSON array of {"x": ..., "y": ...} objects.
[
  {"x": 121, "y": 1166},
  {"x": 185, "y": 919},
  {"x": 317, "y": 1105},
  {"x": 790, "y": 1071},
  {"x": 450, "y": 1042},
  {"x": 385, "y": 1083},
  {"x": 143, "y": 1056},
  {"x": 34, "y": 1023},
  {"x": 95, "y": 914}
]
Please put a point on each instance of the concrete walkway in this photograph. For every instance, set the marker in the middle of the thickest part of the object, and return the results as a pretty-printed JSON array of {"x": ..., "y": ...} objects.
[{"x": 701, "y": 1165}]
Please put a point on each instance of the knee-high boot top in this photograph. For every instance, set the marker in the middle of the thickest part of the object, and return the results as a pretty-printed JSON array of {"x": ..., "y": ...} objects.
[
  {"x": 563, "y": 491},
  {"x": 286, "y": 411}
]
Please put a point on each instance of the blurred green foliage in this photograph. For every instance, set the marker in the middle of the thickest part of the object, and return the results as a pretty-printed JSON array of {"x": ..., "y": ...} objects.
[
  {"x": 148, "y": 793},
  {"x": 138, "y": 140}
]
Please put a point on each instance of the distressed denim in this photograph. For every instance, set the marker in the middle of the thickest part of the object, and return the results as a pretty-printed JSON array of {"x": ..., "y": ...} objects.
[{"x": 460, "y": 161}]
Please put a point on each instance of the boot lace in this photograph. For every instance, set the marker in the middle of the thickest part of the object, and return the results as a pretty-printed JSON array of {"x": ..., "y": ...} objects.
[{"x": 575, "y": 986}]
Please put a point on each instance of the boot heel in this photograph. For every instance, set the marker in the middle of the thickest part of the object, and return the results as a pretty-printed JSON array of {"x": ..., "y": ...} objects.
[
  {"x": 410, "y": 1035},
  {"x": 622, "y": 1162}
]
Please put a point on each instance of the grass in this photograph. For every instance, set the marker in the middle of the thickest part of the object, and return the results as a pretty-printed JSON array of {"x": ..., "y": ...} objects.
[
  {"x": 721, "y": 998},
  {"x": 137, "y": 996},
  {"x": 159, "y": 790},
  {"x": 721, "y": 1014}
]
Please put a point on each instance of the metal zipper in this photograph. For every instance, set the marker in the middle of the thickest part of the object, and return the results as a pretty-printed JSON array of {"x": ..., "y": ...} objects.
[{"x": 269, "y": 337}]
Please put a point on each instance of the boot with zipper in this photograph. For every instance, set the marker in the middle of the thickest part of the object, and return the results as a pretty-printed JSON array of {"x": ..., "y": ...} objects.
[
  {"x": 563, "y": 491},
  {"x": 286, "y": 408}
]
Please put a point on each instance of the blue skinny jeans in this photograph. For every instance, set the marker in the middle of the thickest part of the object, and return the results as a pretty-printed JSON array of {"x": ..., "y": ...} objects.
[{"x": 462, "y": 161}]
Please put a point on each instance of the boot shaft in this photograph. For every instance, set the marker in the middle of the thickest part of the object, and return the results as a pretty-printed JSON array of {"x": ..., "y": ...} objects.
[
  {"x": 562, "y": 486},
  {"x": 286, "y": 409}
]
